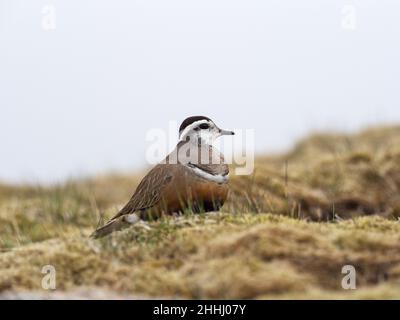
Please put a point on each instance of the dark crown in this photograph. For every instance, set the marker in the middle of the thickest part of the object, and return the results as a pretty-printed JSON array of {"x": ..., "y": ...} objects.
[{"x": 190, "y": 120}]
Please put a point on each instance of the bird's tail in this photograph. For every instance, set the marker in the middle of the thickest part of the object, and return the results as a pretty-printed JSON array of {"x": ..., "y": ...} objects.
[{"x": 115, "y": 224}]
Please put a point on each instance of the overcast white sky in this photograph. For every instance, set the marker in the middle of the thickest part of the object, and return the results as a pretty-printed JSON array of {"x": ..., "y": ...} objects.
[{"x": 79, "y": 99}]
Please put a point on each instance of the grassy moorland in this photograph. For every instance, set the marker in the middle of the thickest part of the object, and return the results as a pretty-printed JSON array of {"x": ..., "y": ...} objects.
[{"x": 285, "y": 232}]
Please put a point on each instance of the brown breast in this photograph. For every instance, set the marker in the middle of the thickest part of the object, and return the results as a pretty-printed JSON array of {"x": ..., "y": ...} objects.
[{"x": 189, "y": 191}]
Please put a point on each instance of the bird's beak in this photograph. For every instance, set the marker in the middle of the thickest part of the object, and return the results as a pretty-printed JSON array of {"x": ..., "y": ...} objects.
[{"x": 226, "y": 132}]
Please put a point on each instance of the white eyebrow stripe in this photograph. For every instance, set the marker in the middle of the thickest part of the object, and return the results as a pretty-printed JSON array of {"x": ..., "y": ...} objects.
[
  {"x": 191, "y": 126},
  {"x": 218, "y": 178}
]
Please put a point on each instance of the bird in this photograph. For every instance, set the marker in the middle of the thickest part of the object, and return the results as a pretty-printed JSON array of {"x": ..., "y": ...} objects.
[{"x": 194, "y": 177}]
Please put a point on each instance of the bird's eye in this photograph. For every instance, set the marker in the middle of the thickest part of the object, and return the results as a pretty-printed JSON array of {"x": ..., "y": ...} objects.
[{"x": 204, "y": 126}]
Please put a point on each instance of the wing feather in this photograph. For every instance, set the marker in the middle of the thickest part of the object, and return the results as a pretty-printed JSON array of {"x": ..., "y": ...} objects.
[{"x": 149, "y": 190}]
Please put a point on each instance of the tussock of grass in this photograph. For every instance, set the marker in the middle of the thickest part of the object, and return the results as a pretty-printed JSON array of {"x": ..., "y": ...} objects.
[
  {"x": 283, "y": 234},
  {"x": 327, "y": 176}
]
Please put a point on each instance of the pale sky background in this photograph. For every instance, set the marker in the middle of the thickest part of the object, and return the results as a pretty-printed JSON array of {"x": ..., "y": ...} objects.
[{"x": 79, "y": 99}]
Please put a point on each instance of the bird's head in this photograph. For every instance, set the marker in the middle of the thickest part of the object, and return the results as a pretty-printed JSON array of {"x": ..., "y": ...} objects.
[{"x": 200, "y": 128}]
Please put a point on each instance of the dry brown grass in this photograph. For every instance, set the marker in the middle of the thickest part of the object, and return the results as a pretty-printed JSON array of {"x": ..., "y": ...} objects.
[
  {"x": 327, "y": 176},
  {"x": 283, "y": 233}
]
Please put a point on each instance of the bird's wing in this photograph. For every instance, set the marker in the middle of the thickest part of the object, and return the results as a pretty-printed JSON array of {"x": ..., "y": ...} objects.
[{"x": 149, "y": 190}]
